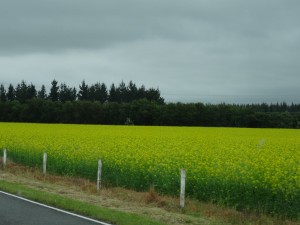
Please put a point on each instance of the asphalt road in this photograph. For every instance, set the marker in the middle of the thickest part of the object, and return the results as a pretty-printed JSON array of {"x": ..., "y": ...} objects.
[{"x": 16, "y": 211}]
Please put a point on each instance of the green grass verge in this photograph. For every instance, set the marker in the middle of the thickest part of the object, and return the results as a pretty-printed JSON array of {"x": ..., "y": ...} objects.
[{"x": 86, "y": 209}]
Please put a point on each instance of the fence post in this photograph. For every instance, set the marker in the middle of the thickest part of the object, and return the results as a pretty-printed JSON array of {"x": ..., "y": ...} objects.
[
  {"x": 182, "y": 188},
  {"x": 44, "y": 163},
  {"x": 4, "y": 157},
  {"x": 99, "y": 174}
]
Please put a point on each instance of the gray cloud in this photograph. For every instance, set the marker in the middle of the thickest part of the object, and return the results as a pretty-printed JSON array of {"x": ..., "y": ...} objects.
[
  {"x": 44, "y": 25},
  {"x": 232, "y": 51}
]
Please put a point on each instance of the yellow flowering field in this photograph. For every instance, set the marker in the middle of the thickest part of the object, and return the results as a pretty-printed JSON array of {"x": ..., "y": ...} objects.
[{"x": 257, "y": 169}]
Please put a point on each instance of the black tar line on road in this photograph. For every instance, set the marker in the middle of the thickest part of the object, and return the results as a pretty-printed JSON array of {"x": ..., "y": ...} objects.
[{"x": 15, "y": 210}]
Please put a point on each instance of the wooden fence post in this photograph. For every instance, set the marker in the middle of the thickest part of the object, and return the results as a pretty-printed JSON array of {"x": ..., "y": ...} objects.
[
  {"x": 182, "y": 188},
  {"x": 4, "y": 157},
  {"x": 99, "y": 174},
  {"x": 44, "y": 163}
]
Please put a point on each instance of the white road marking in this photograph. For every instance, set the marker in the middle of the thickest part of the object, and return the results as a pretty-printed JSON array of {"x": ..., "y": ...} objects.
[{"x": 56, "y": 209}]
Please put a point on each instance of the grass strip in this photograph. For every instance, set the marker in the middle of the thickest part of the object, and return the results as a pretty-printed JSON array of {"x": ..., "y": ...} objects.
[{"x": 75, "y": 206}]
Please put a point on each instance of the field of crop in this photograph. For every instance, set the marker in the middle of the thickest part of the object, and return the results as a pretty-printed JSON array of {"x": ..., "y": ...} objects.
[{"x": 257, "y": 169}]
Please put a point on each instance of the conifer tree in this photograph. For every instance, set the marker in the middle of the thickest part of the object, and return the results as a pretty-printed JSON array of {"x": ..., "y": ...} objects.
[
  {"x": 83, "y": 91},
  {"x": 66, "y": 93},
  {"x": 42, "y": 93},
  {"x": 2, "y": 93},
  {"x": 10, "y": 93},
  {"x": 53, "y": 96},
  {"x": 113, "y": 96}
]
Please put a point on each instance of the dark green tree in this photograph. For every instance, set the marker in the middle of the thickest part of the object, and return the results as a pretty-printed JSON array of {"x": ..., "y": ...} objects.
[
  {"x": 22, "y": 93},
  {"x": 83, "y": 92},
  {"x": 53, "y": 96},
  {"x": 122, "y": 93},
  {"x": 42, "y": 93},
  {"x": 132, "y": 91},
  {"x": 31, "y": 91},
  {"x": 2, "y": 93},
  {"x": 141, "y": 93},
  {"x": 11, "y": 93},
  {"x": 91, "y": 93},
  {"x": 66, "y": 93},
  {"x": 154, "y": 95},
  {"x": 100, "y": 93},
  {"x": 113, "y": 95},
  {"x": 103, "y": 93}
]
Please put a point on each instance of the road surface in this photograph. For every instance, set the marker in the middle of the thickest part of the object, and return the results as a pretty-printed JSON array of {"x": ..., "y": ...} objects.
[{"x": 18, "y": 211}]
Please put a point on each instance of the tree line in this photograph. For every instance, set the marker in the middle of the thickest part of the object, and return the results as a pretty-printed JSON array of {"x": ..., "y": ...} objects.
[
  {"x": 129, "y": 104},
  {"x": 97, "y": 92}
]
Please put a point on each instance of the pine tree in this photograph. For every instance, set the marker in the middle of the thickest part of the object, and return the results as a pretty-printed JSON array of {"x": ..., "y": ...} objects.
[
  {"x": 66, "y": 93},
  {"x": 132, "y": 91},
  {"x": 141, "y": 93},
  {"x": 104, "y": 95},
  {"x": 122, "y": 93},
  {"x": 100, "y": 92},
  {"x": 53, "y": 96},
  {"x": 113, "y": 96},
  {"x": 22, "y": 92},
  {"x": 83, "y": 91},
  {"x": 42, "y": 93},
  {"x": 10, "y": 93},
  {"x": 92, "y": 93},
  {"x": 2, "y": 93},
  {"x": 31, "y": 91}
]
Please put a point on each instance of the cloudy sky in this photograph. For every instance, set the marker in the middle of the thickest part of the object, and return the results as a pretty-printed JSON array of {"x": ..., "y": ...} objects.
[{"x": 213, "y": 51}]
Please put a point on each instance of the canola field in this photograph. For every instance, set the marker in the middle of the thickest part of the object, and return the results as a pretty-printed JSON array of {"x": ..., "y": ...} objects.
[{"x": 257, "y": 169}]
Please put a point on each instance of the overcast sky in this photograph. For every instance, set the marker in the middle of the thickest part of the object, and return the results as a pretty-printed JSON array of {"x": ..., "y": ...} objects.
[{"x": 232, "y": 51}]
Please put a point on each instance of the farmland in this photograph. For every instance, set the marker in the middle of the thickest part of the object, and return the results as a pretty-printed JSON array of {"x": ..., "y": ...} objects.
[{"x": 255, "y": 169}]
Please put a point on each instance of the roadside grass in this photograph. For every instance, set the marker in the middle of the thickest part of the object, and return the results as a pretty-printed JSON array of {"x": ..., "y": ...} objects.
[
  {"x": 121, "y": 206},
  {"x": 95, "y": 212}
]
